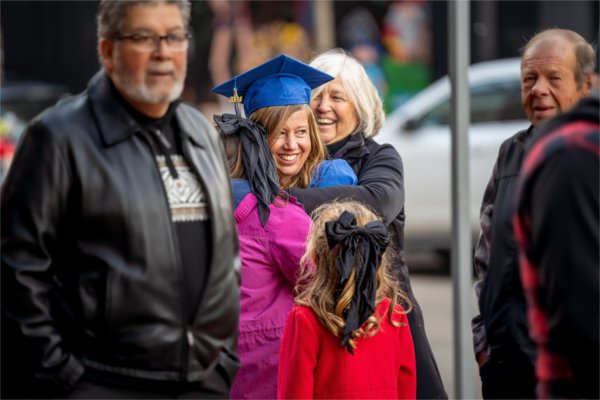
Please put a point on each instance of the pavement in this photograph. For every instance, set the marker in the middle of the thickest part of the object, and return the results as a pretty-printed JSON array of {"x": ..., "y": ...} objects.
[{"x": 434, "y": 294}]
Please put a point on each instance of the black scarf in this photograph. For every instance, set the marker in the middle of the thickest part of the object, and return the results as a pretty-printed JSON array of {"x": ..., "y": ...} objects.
[
  {"x": 258, "y": 160},
  {"x": 371, "y": 240}
]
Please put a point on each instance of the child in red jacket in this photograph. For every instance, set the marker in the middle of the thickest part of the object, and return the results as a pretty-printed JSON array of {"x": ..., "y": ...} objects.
[{"x": 347, "y": 337}]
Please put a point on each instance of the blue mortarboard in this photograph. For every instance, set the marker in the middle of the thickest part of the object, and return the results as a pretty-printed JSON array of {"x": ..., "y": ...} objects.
[{"x": 279, "y": 82}]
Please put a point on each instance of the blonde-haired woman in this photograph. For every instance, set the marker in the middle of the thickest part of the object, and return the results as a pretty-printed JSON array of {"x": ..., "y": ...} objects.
[
  {"x": 349, "y": 114},
  {"x": 276, "y": 95},
  {"x": 347, "y": 337},
  {"x": 277, "y": 147}
]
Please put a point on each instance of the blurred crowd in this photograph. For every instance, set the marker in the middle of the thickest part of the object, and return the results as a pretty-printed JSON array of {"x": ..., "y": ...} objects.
[{"x": 394, "y": 49}]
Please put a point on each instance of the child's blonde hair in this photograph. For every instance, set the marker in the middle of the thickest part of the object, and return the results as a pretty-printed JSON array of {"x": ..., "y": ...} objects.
[{"x": 319, "y": 277}]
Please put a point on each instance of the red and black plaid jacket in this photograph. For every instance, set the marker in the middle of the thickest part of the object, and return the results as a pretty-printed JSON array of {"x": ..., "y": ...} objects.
[{"x": 557, "y": 228}]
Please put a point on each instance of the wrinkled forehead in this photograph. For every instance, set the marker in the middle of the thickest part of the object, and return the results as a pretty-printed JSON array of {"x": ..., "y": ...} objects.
[
  {"x": 547, "y": 58},
  {"x": 554, "y": 48}
]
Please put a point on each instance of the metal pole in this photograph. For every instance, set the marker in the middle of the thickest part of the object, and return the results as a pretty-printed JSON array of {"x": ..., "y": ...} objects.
[{"x": 459, "y": 51}]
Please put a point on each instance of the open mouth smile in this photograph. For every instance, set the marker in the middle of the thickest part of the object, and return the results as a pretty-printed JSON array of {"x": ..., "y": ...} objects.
[
  {"x": 288, "y": 157},
  {"x": 325, "y": 121}
]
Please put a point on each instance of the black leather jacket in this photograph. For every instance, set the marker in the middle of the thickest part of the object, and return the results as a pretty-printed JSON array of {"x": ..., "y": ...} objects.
[
  {"x": 502, "y": 300},
  {"x": 91, "y": 275}
]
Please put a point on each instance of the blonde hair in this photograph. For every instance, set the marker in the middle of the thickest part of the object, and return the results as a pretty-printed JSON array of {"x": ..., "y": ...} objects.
[
  {"x": 273, "y": 118},
  {"x": 318, "y": 281},
  {"x": 358, "y": 86}
]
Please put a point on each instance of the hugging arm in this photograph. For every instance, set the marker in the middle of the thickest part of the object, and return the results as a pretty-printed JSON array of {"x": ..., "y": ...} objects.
[{"x": 380, "y": 185}]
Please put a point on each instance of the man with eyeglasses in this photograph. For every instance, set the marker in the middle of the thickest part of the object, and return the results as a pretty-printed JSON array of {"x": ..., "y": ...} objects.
[{"x": 120, "y": 264}]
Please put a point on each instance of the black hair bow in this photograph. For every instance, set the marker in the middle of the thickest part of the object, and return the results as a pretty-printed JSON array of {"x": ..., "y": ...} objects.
[
  {"x": 258, "y": 160},
  {"x": 371, "y": 241}
]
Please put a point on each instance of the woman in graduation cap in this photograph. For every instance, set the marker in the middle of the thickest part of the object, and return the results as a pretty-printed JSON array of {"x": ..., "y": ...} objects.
[
  {"x": 279, "y": 146},
  {"x": 276, "y": 95},
  {"x": 349, "y": 113}
]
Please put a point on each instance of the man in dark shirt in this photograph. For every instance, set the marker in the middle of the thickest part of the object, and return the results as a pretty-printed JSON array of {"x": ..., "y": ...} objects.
[
  {"x": 556, "y": 68},
  {"x": 119, "y": 255}
]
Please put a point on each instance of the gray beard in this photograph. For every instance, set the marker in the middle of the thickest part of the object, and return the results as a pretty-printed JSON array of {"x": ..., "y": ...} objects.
[{"x": 142, "y": 93}]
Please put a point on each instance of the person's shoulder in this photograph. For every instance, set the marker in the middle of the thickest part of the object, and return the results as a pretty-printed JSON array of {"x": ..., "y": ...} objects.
[
  {"x": 380, "y": 148},
  {"x": 241, "y": 193},
  {"x": 516, "y": 136},
  {"x": 383, "y": 305},
  {"x": 193, "y": 113},
  {"x": 382, "y": 155},
  {"x": 566, "y": 144},
  {"x": 520, "y": 136},
  {"x": 189, "y": 108},
  {"x": 307, "y": 317},
  {"x": 64, "y": 107},
  {"x": 303, "y": 322},
  {"x": 303, "y": 313},
  {"x": 398, "y": 313},
  {"x": 287, "y": 210},
  {"x": 514, "y": 143},
  {"x": 334, "y": 172},
  {"x": 58, "y": 119},
  {"x": 372, "y": 144},
  {"x": 289, "y": 205},
  {"x": 195, "y": 124},
  {"x": 288, "y": 215}
]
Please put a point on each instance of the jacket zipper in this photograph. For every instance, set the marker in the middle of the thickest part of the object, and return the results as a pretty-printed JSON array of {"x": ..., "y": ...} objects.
[
  {"x": 188, "y": 160},
  {"x": 184, "y": 325},
  {"x": 185, "y": 144}
]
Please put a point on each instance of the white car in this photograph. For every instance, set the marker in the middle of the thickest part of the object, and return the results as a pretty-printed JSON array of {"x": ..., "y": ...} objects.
[{"x": 419, "y": 130}]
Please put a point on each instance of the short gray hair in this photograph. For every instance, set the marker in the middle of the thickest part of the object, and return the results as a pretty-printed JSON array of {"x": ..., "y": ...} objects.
[
  {"x": 358, "y": 86},
  {"x": 585, "y": 56},
  {"x": 112, "y": 13}
]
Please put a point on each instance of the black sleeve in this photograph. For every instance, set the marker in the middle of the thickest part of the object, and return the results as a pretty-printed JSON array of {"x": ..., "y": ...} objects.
[
  {"x": 380, "y": 185},
  {"x": 565, "y": 245},
  {"x": 33, "y": 200}
]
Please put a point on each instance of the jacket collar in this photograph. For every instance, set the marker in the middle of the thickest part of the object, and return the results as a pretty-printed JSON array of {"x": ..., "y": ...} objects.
[
  {"x": 355, "y": 147},
  {"x": 522, "y": 136},
  {"x": 111, "y": 116},
  {"x": 188, "y": 128},
  {"x": 115, "y": 122}
]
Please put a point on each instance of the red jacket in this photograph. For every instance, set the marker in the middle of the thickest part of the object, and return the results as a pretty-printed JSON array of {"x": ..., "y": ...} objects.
[{"x": 312, "y": 363}]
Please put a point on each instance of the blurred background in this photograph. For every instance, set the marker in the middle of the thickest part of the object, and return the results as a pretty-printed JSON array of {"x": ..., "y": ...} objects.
[
  {"x": 48, "y": 50},
  {"x": 403, "y": 43}
]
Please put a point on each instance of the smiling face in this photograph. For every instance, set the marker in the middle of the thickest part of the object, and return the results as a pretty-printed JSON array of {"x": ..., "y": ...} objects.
[
  {"x": 291, "y": 146},
  {"x": 336, "y": 114},
  {"x": 548, "y": 85},
  {"x": 149, "y": 81}
]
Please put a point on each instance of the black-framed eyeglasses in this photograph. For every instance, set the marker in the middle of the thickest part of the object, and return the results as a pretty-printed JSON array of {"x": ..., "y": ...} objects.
[{"x": 148, "y": 42}]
